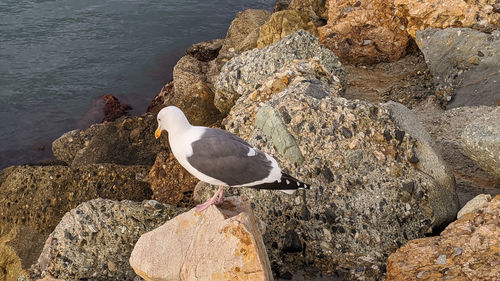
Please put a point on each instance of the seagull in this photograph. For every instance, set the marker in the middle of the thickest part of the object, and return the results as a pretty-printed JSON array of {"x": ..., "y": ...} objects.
[{"x": 220, "y": 158}]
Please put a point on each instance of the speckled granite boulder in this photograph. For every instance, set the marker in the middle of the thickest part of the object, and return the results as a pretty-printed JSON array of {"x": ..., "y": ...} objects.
[
  {"x": 481, "y": 141},
  {"x": 464, "y": 64},
  {"x": 126, "y": 141},
  {"x": 468, "y": 249},
  {"x": 94, "y": 240},
  {"x": 38, "y": 196},
  {"x": 245, "y": 73},
  {"x": 368, "y": 197}
]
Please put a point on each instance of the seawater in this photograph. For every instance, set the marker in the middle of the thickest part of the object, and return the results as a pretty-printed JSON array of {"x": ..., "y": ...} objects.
[{"x": 58, "y": 56}]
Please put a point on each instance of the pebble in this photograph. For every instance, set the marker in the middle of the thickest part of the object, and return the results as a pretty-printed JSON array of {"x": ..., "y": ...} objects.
[{"x": 441, "y": 259}]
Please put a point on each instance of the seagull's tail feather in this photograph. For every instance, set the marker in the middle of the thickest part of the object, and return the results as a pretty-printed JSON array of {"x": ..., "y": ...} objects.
[{"x": 287, "y": 184}]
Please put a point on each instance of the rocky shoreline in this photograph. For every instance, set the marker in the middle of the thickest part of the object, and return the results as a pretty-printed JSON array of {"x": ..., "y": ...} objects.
[{"x": 389, "y": 109}]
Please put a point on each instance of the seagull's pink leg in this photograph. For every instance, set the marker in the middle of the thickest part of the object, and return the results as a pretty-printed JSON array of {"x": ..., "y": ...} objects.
[{"x": 217, "y": 199}]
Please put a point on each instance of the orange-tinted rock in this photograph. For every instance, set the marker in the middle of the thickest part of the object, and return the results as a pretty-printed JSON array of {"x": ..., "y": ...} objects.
[
  {"x": 422, "y": 14},
  {"x": 468, "y": 249},
  {"x": 282, "y": 24},
  {"x": 170, "y": 182},
  {"x": 192, "y": 93},
  {"x": 113, "y": 109},
  {"x": 364, "y": 31},
  {"x": 217, "y": 244},
  {"x": 319, "y": 8}
]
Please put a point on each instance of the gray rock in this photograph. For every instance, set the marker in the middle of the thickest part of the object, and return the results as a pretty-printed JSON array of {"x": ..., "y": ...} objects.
[
  {"x": 464, "y": 64},
  {"x": 39, "y": 196},
  {"x": 475, "y": 204},
  {"x": 269, "y": 122},
  {"x": 126, "y": 141},
  {"x": 368, "y": 196},
  {"x": 429, "y": 160},
  {"x": 481, "y": 141},
  {"x": 94, "y": 241},
  {"x": 245, "y": 73}
]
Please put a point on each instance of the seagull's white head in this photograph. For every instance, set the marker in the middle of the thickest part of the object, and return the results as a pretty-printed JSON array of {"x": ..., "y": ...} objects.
[{"x": 171, "y": 119}]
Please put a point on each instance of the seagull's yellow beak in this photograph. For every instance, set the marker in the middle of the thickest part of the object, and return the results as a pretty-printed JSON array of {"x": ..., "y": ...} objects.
[{"x": 158, "y": 132}]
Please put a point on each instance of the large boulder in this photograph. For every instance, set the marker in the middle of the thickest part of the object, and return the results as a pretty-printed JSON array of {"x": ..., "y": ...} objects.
[
  {"x": 282, "y": 24},
  {"x": 170, "y": 182},
  {"x": 126, "y": 141},
  {"x": 94, "y": 240},
  {"x": 373, "y": 188},
  {"x": 481, "y": 141},
  {"x": 466, "y": 250},
  {"x": 244, "y": 73},
  {"x": 446, "y": 127},
  {"x": 218, "y": 244},
  {"x": 364, "y": 31},
  {"x": 243, "y": 32},
  {"x": 192, "y": 92},
  {"x": 38, "y": 197},
  {"x": 464, "y": 64},
  {"x": 482, "y": 15}
]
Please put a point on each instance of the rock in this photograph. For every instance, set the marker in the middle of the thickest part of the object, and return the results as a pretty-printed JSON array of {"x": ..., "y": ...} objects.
[
  {"x": 466, "y": 250},
  {"x": 481, "y": 141},
  {"x": 282, "y": 24},
  {"x": 38, "y": 197},
  {"x": 126, "y": 141},
  {"x": 20, "y": 246},
  {"x": 368, "y": 196},
  {"x": 474, "y": 205},
  {"x": 170, "y": 182},
  {"x": 456, "y": 13},
  {"x": 244, "y": 73},
  {"x": 364, "y": 31},
  {"x": 321, "y": 82},
  {"x": 10, "y": 263},
  {"x": 243, "y": 32},
  {"x": 113, "y": 109},
  {"x": 205, "y": 51},
  {"x": 446, "y": 127},
  {"x": 318, "y": 10},
  {"x": 281, "y": 5},
  {"x": 464, "y": 64},
  {"x": 430, "y": 162},
  {"x": 216, "y": 244},
  {"x": 406, "y": 81},
  {"x": 192, "y": 92},
  {"x": 94, "y": 240},
  {"x": 158, "y": 101}
]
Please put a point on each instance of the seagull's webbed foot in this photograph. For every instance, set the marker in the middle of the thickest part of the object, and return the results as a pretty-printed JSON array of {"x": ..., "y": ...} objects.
[{"x": 217, "y": 199}]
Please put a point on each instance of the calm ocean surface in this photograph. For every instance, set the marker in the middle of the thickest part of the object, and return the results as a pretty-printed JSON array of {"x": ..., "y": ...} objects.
[{"x": 58, "y": 56}]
